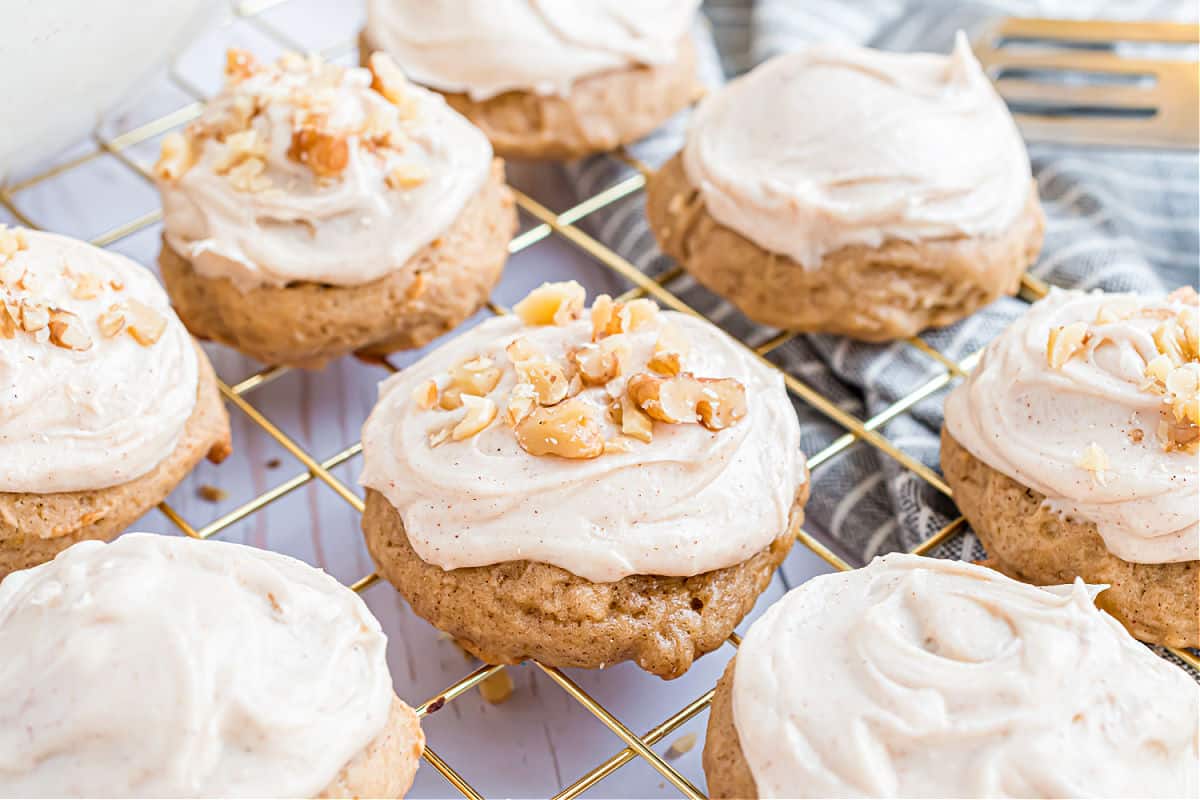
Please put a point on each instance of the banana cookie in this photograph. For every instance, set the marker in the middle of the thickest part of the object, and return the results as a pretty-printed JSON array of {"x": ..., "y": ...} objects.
[
  {"x": 314, "y": 210},
  {"x": 107, "y": 401},
  {"x": 851, "y": 191},
  {"x": 1071, "y": 449},
  {"x": 546, "y": 78},
  {"x": 161, "y": 666},
  {"x": 584, "y": 487},
  {"x": 921, "y": 677}
]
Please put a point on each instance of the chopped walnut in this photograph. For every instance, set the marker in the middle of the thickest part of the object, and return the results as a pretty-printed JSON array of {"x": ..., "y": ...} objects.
[
  {"x": 669, "y": 351},
  {"x": 440, "y": 435},
  {"x": 34, "y": 316},
  {"x": 112, "y": 321},
  {"x": 68, "y": 331},
  {"x": 552, "y": 304},
  {"x": 1064, "y": 341},
  {"x": 239, "y": 65},
  {"x": 85, "y": 285},
  {"x": 620, "y": 445},
  {"x": 12, "y": 241},
  {"x": 1171, "y": 341},
  {"x": 604, "y": 312},
  {"x": 408, "y": 175},
  {"x": 636, "y": 314},
  {"x": 144, "y": 324},
  {"x": 716, "y": 403},
  {"x": 451, "y": 398},
  {"x": 480, "y": 411},
  {"x": 9, "y": 322},
  {"x": 240, "y": 147},
  {"x": 477, "y": 376},
  {"x": 1094, "y": 460},
  {"x": 248, "y": 176},
  {"x": 600, "y": 362},
  {"x": 326, "y": 154},
  {"x": 176, "y": 157},
  {"x": 426, "y": 394},
  {"x": 389, "y": 81},
  {"x": 570, "y": 429},
  {"x": 547, "y": 377},
  {"x": 633, "y": 420},
  {"x": 520, "y": 349},
  {"x": 521, "y": 403}
]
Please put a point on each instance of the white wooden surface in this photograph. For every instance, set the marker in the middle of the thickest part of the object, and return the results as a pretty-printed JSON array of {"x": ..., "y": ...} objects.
[{"x": 540, "y": 740}]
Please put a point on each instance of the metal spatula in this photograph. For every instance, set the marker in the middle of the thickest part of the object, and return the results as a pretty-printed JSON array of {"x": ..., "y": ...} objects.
[{"x": 1131, "y": 84}]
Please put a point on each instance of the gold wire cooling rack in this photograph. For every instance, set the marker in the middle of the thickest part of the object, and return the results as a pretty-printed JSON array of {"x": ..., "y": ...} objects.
[{"x": 563, "y": 225}]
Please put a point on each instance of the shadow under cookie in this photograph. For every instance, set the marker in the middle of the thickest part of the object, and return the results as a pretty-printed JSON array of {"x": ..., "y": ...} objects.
[
  {"x": 601, "y": 112},
  {"x": 308, "y": 324},
  {"x": 509, "y": 612},
  {"x": 1158, "y": 603},
  {"x": 868, "y": 293},
  {"x": 36, "y": 527}
]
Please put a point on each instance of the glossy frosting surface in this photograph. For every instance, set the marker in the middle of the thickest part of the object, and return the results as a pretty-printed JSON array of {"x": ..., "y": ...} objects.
[
  {"x": 159, "y": 666},
  {"x": 919, "y": 677},
  {"x": 834, "y": 145},
  {"x": 76, "y": 419}
]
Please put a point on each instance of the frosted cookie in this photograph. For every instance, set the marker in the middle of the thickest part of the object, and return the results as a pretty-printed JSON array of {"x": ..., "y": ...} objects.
[
  {"x": 161, "y": 666},
  {"x": 1071, "y": 450},
  {"x": 851, "y": 191},
  {"x": 584, "y": 487},
  {"x": 920, "y": 677},
  {"x": 546, "y": 78},
  {"x": 106, "y": 403},
  {"x": 313, "y": 211}
]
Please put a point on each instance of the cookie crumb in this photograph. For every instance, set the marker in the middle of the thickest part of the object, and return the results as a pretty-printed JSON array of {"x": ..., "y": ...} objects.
[
  {"x": 273, "y": 463},
  {"x": 212, "y": 494},
  {"x": 497, "y": 687},
  {"x": 681, "y": 746}
]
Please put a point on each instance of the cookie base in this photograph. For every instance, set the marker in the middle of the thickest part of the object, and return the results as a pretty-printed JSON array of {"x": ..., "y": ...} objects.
[
  {"x": 600, "y": 113},
  {"x": 308, "y": 324},
  {"x": 870, "y": 293},
  {"x": 516, "y": 610},
  {"x": 386, "y": 767},
  {"x": 1158, "y": 603},
  {"x": 725, "y": 766},
  {"x": 36, "y": 527}
]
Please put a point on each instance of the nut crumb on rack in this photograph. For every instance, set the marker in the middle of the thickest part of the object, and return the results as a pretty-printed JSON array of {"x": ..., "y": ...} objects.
[
  {"x": 212, "y": 494},
  {"x": 682, "y": 746}
]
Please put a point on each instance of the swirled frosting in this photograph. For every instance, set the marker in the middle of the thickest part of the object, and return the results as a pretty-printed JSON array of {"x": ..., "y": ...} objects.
[
  {"x": 97, "y": 375},
  {"x": 158, "y": 666},
  {"x": 301, "y": 171},
  {"x": 836, "y": 145},
  {"x": 919, "y": 677},
  {"x": 1094, "y": 433},
  {"x": 486, "y": 47},
  {"x": 688, "y": 501}
]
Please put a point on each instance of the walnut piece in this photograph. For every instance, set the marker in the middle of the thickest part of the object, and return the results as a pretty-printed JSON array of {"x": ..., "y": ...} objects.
[
  {"x": 12, "y": 241},
  {"x": 480, "y": 411},
  {"x": 552, "y": 304},
  {"x": 34, "y": 316},
  {"x": 477, "y": 376},
  {"x": 610, "y": 318},
  {"x": 84, "y": 285},
  {"x": 426, "y": 394},
  {"x": 144, "y": 324},
  {"x": 716, "y": 403},
  {"x": 9, "y": 321},
  {"x": 389, "y": 81},
  {"x": 600, "y": 362},
  {"x": 547, "y": 377},
  {"x": 1063, "y": 342},
  {"x": 239, "y": 65},
  {"x": 111, "y": 322},
  {"x": 326, "y": 154},
  {"x": 248, "y": 176},
  {"x": 521, "y": 403},
  {"x": 1094, "y": 460},
  {"x": 68, "y": 331},
  {"x": 669, "y": 351},
  {"x": 408, "y": 175},
  {"x": 633, "y": 420},
  {"x": 570, "y": 429}
]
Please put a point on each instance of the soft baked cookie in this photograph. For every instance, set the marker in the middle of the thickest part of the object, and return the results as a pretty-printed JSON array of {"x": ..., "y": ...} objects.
[
  {"x": 161, "y": 666},
  {"x": 559, "y": 79},
  {"x": 1071, "y": 450},
  {"x": 313, "y": 211},
  {"x": 107, "y": 401},
  {"x": 584, "y": 488},
  {"x": 920, "y": 677},
  {"x": 844, "y": 190}
]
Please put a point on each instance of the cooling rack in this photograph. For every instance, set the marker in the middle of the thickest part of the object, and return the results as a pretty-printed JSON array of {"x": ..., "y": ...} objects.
[{"x": 565, "y": 226}]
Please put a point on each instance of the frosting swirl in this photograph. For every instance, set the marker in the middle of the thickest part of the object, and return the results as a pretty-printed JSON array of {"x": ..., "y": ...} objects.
[
  {"x": 487, "y": 47},
  {"x": 307, "y": 171},
  {"x": 931, "y": 678},
  {"x": 1065, "y": 402},
  {"x": 833, "y": 146},
  {"x": 98, "y": 376},
  {"x": 169, "y": 667},
  {"x": 684, "y": 500}
]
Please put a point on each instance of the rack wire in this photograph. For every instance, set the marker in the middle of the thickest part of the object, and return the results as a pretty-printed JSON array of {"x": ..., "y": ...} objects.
[{"x": 565, "y": 226}]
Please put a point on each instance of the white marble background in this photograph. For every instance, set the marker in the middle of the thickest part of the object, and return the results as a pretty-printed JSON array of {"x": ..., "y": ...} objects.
[{"x": 540, "y": 740}]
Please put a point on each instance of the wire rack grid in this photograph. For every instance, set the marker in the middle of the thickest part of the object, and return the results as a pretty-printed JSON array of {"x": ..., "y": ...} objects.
[{"x": 549, "y": 223}]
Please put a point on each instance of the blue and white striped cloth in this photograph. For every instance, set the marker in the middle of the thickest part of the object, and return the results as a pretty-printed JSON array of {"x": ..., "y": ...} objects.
[{"x": 1116, "y": 220}]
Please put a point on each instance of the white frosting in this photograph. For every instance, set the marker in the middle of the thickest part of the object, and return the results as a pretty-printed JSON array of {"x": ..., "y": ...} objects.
[
  {"x": 689, "y": 501},
  {"x": 919, "y": 677},
  {"x": 486, "y": 47},
  {"x": 344, "y": 230},
  {"x": 159, "y": 666},
  {"x": 1033, "y": 423},
  {"x": 79, "y": 420},
  {"x": 836, "y": 145}
]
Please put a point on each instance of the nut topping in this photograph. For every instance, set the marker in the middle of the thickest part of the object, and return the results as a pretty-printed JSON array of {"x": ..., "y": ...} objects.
[
  {"x": 570, "y": 429},
  {"x": 634, "y": 421},
  {"x": 669, "y": 351},
  {"x": 1095, "y": 461},
  {"x": 68, "y": 331},
  {"x": 600, "y": 362},
  {"x": 521, "y": 404},
  {"x": 477, "y": 376},
  {"x": 34, "y": 316},
  {"x": 12, "y": 241},
  {"x": 716, "y": 403},
  {"x": 389, "y": 81},
  {"x": 1064, "y": 341},
  {"x": 480, "y": 413},
  {"x": 326, "y": 154},
  {"x": 547, "y": 377},
  {"x": 426, "y": 394},
  {"x": 552, "y": 304},
  {"x": 145, "y": 324},
  {"x": 407, "y": 175},
  {"x": 111, "y": 322}
]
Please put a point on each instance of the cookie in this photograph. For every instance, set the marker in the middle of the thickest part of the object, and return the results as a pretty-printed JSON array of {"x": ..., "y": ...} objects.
[
  {"x": 226, "y": 671},
  {"x": 917, "y": 671},
  {"x": 584, "y": 487},
  {"x": 313, "y": 211},
  {"x": 109, "y": 402},
  {"x": 850, "y": 191},
  {"x": 545, "y": 82},
  {"x": 1071, "y": 450}
]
